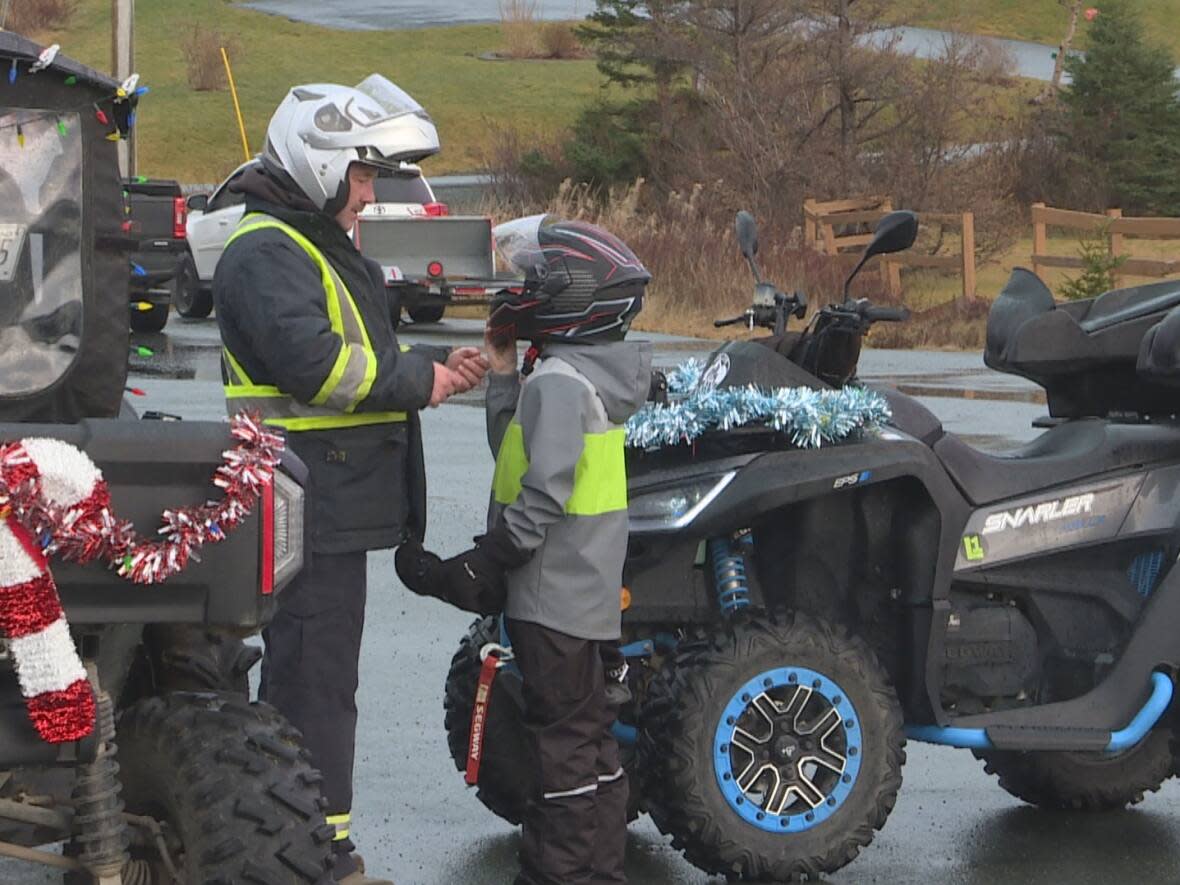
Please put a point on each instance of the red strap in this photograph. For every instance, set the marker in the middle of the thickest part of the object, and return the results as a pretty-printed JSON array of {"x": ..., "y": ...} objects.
[{"x": 479, "y": 718}]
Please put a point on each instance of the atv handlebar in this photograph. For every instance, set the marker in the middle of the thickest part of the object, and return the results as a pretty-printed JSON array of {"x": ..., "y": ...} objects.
[{"x": 885, "y": 314}]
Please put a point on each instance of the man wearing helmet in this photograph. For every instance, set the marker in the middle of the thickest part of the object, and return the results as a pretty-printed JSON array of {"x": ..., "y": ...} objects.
[
  {"x": 553, "y": 556},
  {"x": 309, "y": 341}
]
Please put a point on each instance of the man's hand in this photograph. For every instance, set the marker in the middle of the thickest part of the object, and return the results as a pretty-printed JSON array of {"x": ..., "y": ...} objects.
[
  {"x": 446, "y": 383},
  {"x": 501, "y": 355},
  {"x": 469, "y": 364}
]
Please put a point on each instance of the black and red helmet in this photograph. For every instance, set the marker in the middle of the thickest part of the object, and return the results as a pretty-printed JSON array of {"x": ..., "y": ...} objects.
[{"x": 581, "y": 284}]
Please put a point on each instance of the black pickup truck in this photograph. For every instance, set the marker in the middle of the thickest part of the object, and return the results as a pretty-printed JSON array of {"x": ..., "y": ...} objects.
[{"x": 162, "y": 270}]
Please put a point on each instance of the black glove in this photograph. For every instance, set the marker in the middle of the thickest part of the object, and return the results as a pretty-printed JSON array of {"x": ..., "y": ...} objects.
[
  {"x": 657, "y": 392},
  {"x": 473, "y": 580}
]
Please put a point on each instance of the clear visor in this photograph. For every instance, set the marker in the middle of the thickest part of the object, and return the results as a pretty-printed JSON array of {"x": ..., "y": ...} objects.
[
  {"x": 392, "y": 98},
  {"x": 518, "y": 244},
  {"x": 41, "y": 277}
]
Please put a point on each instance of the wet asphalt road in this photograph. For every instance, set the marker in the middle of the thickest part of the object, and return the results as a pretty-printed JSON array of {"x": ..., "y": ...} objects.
[{"x": 416, "y": 822}]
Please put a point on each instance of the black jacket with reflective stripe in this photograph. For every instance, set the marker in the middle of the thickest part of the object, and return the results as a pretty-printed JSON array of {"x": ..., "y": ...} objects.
[{"x": 367, "y": 483}]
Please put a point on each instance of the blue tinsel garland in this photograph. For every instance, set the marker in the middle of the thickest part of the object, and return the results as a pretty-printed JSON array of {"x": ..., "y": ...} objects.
[{"x": 808, "y": 417}]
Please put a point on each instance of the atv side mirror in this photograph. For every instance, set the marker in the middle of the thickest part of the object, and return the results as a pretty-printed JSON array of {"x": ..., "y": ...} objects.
[
  {"x": 747, "y": 237},
  {"x": 747, "y": 233},
  {"x": 895, "y": 233}
]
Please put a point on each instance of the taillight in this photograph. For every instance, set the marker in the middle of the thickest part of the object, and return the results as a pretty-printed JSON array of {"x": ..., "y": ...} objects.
[
  {"x": 435, "y": 269},
  {"x": 436, "y": 210},
  {"x": 266, "y": 567},
  {"x": 179, "y": 217},
  {"x": 286, "y": 529}
]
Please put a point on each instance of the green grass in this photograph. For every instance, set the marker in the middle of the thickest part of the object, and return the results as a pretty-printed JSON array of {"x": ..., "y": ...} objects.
[
  {"x": 1041, "y": 21},
  {"x": 194, "y": 137}
]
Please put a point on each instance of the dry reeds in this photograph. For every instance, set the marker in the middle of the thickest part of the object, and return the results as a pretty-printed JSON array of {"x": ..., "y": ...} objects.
[
  {"x": 204, "y": 68},
  {"x": 32, "y": 17},
  {"x": 519, "y": 28},
  {"x": 698, "y": 273}
]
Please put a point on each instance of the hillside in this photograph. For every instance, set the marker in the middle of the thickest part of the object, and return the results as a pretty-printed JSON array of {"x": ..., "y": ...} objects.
[
  {"x": 193, "y": 136},
  {"x": 1039, "y": 21}
]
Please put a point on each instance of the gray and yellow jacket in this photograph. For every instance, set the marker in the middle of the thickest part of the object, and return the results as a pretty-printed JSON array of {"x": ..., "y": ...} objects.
[
  {"x": 560, "y": 487},
  {"x": 352, "y": 403}
]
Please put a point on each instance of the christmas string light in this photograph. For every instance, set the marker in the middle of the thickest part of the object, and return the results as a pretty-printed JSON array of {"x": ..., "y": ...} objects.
[{"x": 45, "y": 59}]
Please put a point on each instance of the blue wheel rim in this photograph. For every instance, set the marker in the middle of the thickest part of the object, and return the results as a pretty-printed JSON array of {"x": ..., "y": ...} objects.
[{"x": 810, "y": 734}]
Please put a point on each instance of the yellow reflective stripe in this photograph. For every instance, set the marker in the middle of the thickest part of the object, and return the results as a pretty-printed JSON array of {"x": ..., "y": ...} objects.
[
  {"x": 511, "y": 465},
  {"x": 367, "y": 383},
  {"x": 235, "y": 365},
  {"x": 334, "y": 376},
  {"x": 328, "y": 422},
  {"x": 334, "y": 318},
  {"x": 242, "y": 391},
  {"x": 600, "y": 477},
  {"x": 341, "y": 822}
]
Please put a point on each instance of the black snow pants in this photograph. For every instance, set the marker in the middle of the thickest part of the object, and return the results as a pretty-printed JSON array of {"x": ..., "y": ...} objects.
[
  {"x": 575, "y": 827},
  {"x": 309, "y": 672}
]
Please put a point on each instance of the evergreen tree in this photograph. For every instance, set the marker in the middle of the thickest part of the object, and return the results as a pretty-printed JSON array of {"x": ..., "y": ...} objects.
[{"x": 1124, "y": 114}]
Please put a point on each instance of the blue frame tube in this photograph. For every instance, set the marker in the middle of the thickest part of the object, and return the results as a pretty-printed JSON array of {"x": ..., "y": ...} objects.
[{"x": 1123, "y": 739}]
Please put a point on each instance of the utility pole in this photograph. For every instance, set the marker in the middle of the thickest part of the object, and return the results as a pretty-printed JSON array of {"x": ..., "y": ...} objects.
[{"x": 122, "y": 65}]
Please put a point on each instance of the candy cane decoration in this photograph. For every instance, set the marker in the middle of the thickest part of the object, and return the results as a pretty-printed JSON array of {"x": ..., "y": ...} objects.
[{"x": 54, "y": 501}]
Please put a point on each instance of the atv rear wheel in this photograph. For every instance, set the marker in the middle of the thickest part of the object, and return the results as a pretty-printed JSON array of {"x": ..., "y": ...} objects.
[
  {"x": 230, "y": 784},
  {"x": 506, "y": 771},
  {"x": 772, "y": 748},
  {"x": 1084, "y": 781}
]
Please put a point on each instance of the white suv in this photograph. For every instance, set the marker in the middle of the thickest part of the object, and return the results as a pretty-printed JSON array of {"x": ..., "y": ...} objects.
[{"x": 212, "y": 219}]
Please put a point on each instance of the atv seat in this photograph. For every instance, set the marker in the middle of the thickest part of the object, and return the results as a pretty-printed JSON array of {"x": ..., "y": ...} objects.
[
  {"x": 1068, "y": 453},
  {"x": 1087, "y": 354}
]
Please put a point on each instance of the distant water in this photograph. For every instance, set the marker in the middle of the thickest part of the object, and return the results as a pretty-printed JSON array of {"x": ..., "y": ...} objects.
[
  {"x": 370, "y": 15},
  {"x": 1032, "y": 60}
]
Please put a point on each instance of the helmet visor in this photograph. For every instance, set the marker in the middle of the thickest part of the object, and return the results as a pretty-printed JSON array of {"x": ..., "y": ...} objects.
[
  {"x": 391, "y": 97},
  {"x": 518, "y": 245}
]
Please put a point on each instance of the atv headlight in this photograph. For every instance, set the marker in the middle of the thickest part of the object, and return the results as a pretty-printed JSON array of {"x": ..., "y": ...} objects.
[{"x": 674, "y": 507}]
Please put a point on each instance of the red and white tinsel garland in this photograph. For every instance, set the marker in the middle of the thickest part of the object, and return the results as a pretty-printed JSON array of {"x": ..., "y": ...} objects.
[{"x": 54, "y": 501}]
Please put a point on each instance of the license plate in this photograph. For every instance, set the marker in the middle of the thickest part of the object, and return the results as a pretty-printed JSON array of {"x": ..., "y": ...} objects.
[{"x": 12, "y": 240}]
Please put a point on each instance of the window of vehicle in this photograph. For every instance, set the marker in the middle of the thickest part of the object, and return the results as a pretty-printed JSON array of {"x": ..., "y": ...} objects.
[
  {"x": 395, "y": 188},
  {"x": 40, "y": 248}
]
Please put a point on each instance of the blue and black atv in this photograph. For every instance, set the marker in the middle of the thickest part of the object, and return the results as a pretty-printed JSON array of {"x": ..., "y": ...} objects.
[{"x": 795, "y": 614}]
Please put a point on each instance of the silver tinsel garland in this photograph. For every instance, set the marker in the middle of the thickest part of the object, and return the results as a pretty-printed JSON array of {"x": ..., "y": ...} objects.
[{"x": 808, "y": 417}]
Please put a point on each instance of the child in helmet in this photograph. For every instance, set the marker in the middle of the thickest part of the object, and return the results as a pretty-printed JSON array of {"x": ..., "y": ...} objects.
[{"x": 553, "y": 555}]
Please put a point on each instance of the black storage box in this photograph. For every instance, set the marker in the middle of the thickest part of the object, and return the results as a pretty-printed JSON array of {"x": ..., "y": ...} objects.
[{"x": 1087, "y": 354}]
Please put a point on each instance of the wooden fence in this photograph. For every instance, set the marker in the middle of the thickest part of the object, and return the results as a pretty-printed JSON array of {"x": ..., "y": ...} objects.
[
  {"x": 820, "y": 220},
  {"x": 1115, "y": 228}
]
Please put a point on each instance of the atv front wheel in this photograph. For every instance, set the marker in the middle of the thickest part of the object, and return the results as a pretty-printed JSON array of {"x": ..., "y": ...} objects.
[
  {"x": 1084, "y": 781},
  {"x": 506, "y": 770},
  {"x": 772, "y": 749},
  {"x": 233, "y": 790}
]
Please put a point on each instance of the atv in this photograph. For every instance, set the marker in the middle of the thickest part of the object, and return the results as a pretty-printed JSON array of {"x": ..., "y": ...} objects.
[
  {"x": 796, "y": 614},
  {"x": 181, "y": 779}
]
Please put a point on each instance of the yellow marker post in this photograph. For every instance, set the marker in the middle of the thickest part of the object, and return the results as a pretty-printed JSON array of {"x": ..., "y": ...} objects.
[{"x": 233, "y": 90}]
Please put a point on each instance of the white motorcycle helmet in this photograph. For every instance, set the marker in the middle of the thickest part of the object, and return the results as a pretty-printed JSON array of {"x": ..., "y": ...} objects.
[{"x": 321, "y": 128}]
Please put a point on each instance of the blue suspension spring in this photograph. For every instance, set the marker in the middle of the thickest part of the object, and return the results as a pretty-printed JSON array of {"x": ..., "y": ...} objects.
[{"x": 729, "y": 576}]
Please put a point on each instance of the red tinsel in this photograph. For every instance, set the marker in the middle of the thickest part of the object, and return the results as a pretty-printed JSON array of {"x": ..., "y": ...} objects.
[{"x": 88, "y": 530}]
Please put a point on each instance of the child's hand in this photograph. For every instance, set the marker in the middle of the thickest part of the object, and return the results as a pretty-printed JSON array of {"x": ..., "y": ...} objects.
[{"x": 501, "y": 354}]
